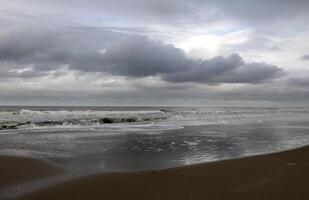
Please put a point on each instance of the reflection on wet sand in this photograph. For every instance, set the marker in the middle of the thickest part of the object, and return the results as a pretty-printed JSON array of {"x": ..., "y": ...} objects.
[{"x": 84, "y": 151}]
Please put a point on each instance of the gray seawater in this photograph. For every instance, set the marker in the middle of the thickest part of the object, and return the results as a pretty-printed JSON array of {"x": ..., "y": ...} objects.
[{"x": 148, "y": 138}]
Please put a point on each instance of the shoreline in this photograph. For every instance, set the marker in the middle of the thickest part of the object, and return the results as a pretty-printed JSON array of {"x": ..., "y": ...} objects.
[{"x": 282, "y": 175}]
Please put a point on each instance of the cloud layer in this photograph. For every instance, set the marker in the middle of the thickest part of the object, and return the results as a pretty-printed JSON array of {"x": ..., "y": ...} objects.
[
  {"x": 140, "y": 56},
  {"x": 221, "y": 49},
  {"x": 134, "y": 56},
  {"x": 169, "y": 12}
]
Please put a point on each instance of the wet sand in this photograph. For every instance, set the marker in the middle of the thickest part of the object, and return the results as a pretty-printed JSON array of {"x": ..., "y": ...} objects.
[
  {"x": 281, "y": 176},
  {"x": 16, "y": 170}
]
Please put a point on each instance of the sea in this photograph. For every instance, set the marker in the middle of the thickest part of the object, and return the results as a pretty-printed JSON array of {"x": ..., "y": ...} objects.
[{"x": 113, "y": 139}]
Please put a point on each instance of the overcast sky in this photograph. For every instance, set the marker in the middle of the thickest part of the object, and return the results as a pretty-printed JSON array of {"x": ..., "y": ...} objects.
[{"x": 154, "y": 52}]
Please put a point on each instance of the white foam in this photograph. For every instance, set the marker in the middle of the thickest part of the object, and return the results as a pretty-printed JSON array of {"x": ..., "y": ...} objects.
[
  {"x": 191, "y": 143},
  {"x": 146, "y": 119},
  {"x": 76, "y": 118}
]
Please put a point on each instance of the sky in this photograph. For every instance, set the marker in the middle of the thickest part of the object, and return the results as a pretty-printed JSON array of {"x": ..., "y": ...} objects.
[{"x": 154, "y": 52}]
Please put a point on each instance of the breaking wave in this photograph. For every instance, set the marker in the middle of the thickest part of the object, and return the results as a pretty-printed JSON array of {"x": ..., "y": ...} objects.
[
  {"x": 25, "y": 118},
  {"x": 137, "y": 118}
]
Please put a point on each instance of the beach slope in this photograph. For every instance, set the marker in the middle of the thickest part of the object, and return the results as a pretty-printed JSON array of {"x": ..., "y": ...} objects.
[
  {"x": 281, "y": 176},
  {"x": 16, "y": 170}
]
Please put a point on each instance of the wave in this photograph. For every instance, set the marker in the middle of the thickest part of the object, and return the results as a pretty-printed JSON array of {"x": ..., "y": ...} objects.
[
  {"x": 28, "y": 118},
  {"x": 32, "y": 119}
]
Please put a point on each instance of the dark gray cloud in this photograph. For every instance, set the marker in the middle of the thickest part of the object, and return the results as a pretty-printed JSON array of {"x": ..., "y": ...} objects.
[
  {"x": 130, "y": 56},
  {"x": 302, "y": 82},
  {"x": 305, "y": 57},
  {"x": 225, "y": 70},
  {"x": 139, "y": 57},
  {"x": 43, "y": 48}
]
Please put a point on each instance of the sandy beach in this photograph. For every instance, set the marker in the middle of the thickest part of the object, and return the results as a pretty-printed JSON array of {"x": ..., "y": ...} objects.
[
  {"x": 15, "y": 170},
  {"x": 281, "y": 175}
]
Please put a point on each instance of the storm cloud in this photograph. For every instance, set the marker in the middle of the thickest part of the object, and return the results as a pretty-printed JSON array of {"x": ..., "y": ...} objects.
[
  {"x": 134, "y": 56},
  {"x": 143, "y": 57},
  {"x": 97, "y": 49}
]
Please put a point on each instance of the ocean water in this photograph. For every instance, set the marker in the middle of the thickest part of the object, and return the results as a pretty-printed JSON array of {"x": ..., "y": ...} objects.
[{"x": 147, "y": 138}]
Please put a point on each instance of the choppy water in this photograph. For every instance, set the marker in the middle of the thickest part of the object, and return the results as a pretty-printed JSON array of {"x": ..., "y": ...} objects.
[{"x": 144, "y": 138}]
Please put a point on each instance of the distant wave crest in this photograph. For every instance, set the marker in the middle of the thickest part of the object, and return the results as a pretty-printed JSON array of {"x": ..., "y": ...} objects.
[{"x": 25, "y": 118}]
